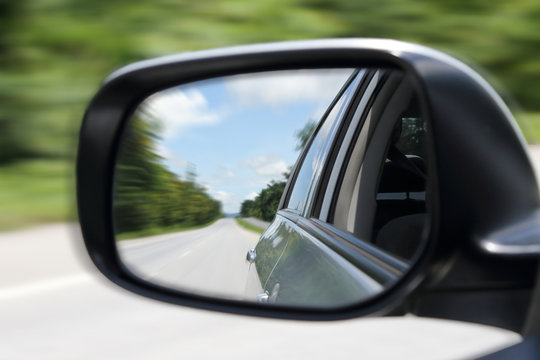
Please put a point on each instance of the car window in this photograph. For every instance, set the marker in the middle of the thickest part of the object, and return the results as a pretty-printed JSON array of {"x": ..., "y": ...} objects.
[
  {"x": 351, "y": 136},
  {"x": 307, "y": 177},
  {"x": 381, "y": 196}
]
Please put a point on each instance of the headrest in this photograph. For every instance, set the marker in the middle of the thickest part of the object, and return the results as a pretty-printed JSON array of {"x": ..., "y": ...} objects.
[{"x": 395, "y": 179}]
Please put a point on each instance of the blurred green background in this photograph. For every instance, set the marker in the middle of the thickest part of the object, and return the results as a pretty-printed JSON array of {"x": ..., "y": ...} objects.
[{"x": 55, "y": 53}]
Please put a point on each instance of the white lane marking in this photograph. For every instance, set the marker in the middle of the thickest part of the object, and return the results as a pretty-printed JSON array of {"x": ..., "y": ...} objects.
[
  {"x": 184, "y": 254},
  {"x": 158, "y": 271},
  {"x": 17, "y": 291}
]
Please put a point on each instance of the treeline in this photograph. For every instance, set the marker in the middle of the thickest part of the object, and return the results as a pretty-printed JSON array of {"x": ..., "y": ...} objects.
[
  {"x": 265, "y": 204},
  {"x": 54, "y": 53},
  {"x": 148, "y": 196}
]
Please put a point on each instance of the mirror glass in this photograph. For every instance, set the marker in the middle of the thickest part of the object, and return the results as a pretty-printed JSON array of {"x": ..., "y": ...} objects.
[{"x": 204, "y": 167}]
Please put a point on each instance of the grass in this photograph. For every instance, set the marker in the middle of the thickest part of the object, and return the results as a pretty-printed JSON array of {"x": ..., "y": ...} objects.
[
  {"x": 161, "y": 230},
  {"x": 529, "y": 122},
  {"x": 248, "y": 226},
  {"x": 35, "y": 192}
]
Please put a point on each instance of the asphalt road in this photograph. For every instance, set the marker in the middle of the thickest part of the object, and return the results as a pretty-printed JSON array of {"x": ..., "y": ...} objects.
[
  {"x": 54, "y": 305},
  {"x": 209, "y": 261}
]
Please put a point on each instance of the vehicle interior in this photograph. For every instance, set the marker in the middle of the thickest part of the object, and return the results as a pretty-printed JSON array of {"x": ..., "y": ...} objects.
[
  {"x": 386, "y": 173},
  {"x": 401, "y": 196}
]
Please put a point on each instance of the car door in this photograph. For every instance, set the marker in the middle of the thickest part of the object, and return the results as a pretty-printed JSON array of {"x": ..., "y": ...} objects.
[
  {"x": 273, "y": 245},
  {"x": 319, "y": 250}
]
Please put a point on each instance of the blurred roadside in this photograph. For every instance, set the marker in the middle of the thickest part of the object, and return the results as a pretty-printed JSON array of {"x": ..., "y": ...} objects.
[
  {"x": 56, "y": 306},
  {"x": 55, "y": 53}
]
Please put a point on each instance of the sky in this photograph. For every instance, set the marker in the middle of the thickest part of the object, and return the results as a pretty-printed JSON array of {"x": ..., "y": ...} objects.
[{"x": 237, "y": 133}]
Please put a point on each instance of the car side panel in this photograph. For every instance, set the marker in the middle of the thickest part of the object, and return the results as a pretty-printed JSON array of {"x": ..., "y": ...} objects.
[{"x": 297, "y": 269}]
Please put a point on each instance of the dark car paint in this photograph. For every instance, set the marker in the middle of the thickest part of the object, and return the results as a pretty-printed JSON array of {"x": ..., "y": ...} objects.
[{"x": 306, "y": 272}]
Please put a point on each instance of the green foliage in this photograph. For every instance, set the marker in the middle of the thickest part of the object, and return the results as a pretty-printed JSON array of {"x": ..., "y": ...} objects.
[
  {"x": 530, "y": 125},
  {"x": 36, "y": 191},
  {"x": 147, "y": 194},
  {"x": 55, "y": 53},
  {"x": 248, "y": 226},
  {"x": 304, "y": 134},
  {"x": 161, "y": 230},
  {"x": 265, "y": 204},
  {"x": 246, "y": 207}
]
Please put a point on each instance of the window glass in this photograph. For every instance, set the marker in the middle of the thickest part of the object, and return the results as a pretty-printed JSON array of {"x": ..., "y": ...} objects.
[
  {"x": 307, "y": 178},
  {"x": 382, "y": 195},
  {"x": 349, "y": 138}
]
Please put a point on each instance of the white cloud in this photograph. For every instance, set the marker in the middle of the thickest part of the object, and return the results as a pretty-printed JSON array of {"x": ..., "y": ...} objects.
[
  {"x": 229, "y": 202},
  {"x": 222, "y": 196},
  {"x": 287, "y": 86},
  {"x": 251, "y": 196},
  {"x": 176, "y": 110},
  {"x": 267, "y": 165}
]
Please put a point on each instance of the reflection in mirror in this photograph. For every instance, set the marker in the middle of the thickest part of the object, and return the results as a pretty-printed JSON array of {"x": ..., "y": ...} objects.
[{"x": 202, "y": 168}]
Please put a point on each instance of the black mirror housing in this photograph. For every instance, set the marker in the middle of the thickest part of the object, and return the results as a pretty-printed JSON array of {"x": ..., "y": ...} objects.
[{"x": 483, "y": 184}]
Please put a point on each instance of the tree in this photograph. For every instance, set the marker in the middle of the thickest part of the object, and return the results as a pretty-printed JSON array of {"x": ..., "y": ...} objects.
[
  {"x": 265, "y": 204},
  {"x": 147, "y": 194},
  {"x": 304, "y": 134},
  {"x": 245, "y": 208}
]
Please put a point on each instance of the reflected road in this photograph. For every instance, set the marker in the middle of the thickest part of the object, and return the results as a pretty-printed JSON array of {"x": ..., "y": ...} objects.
[{"x": 210, "y": 261}]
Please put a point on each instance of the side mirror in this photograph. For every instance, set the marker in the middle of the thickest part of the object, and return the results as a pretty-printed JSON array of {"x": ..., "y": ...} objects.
[
  {"x": 349, "y": 165},
  {"x": 251, "y": 255}
]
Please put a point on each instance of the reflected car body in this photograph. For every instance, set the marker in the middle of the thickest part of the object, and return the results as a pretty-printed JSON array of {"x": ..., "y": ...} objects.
[
  {"x": 298, "y": 269},
  {"x": 323, "y": 249}
]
